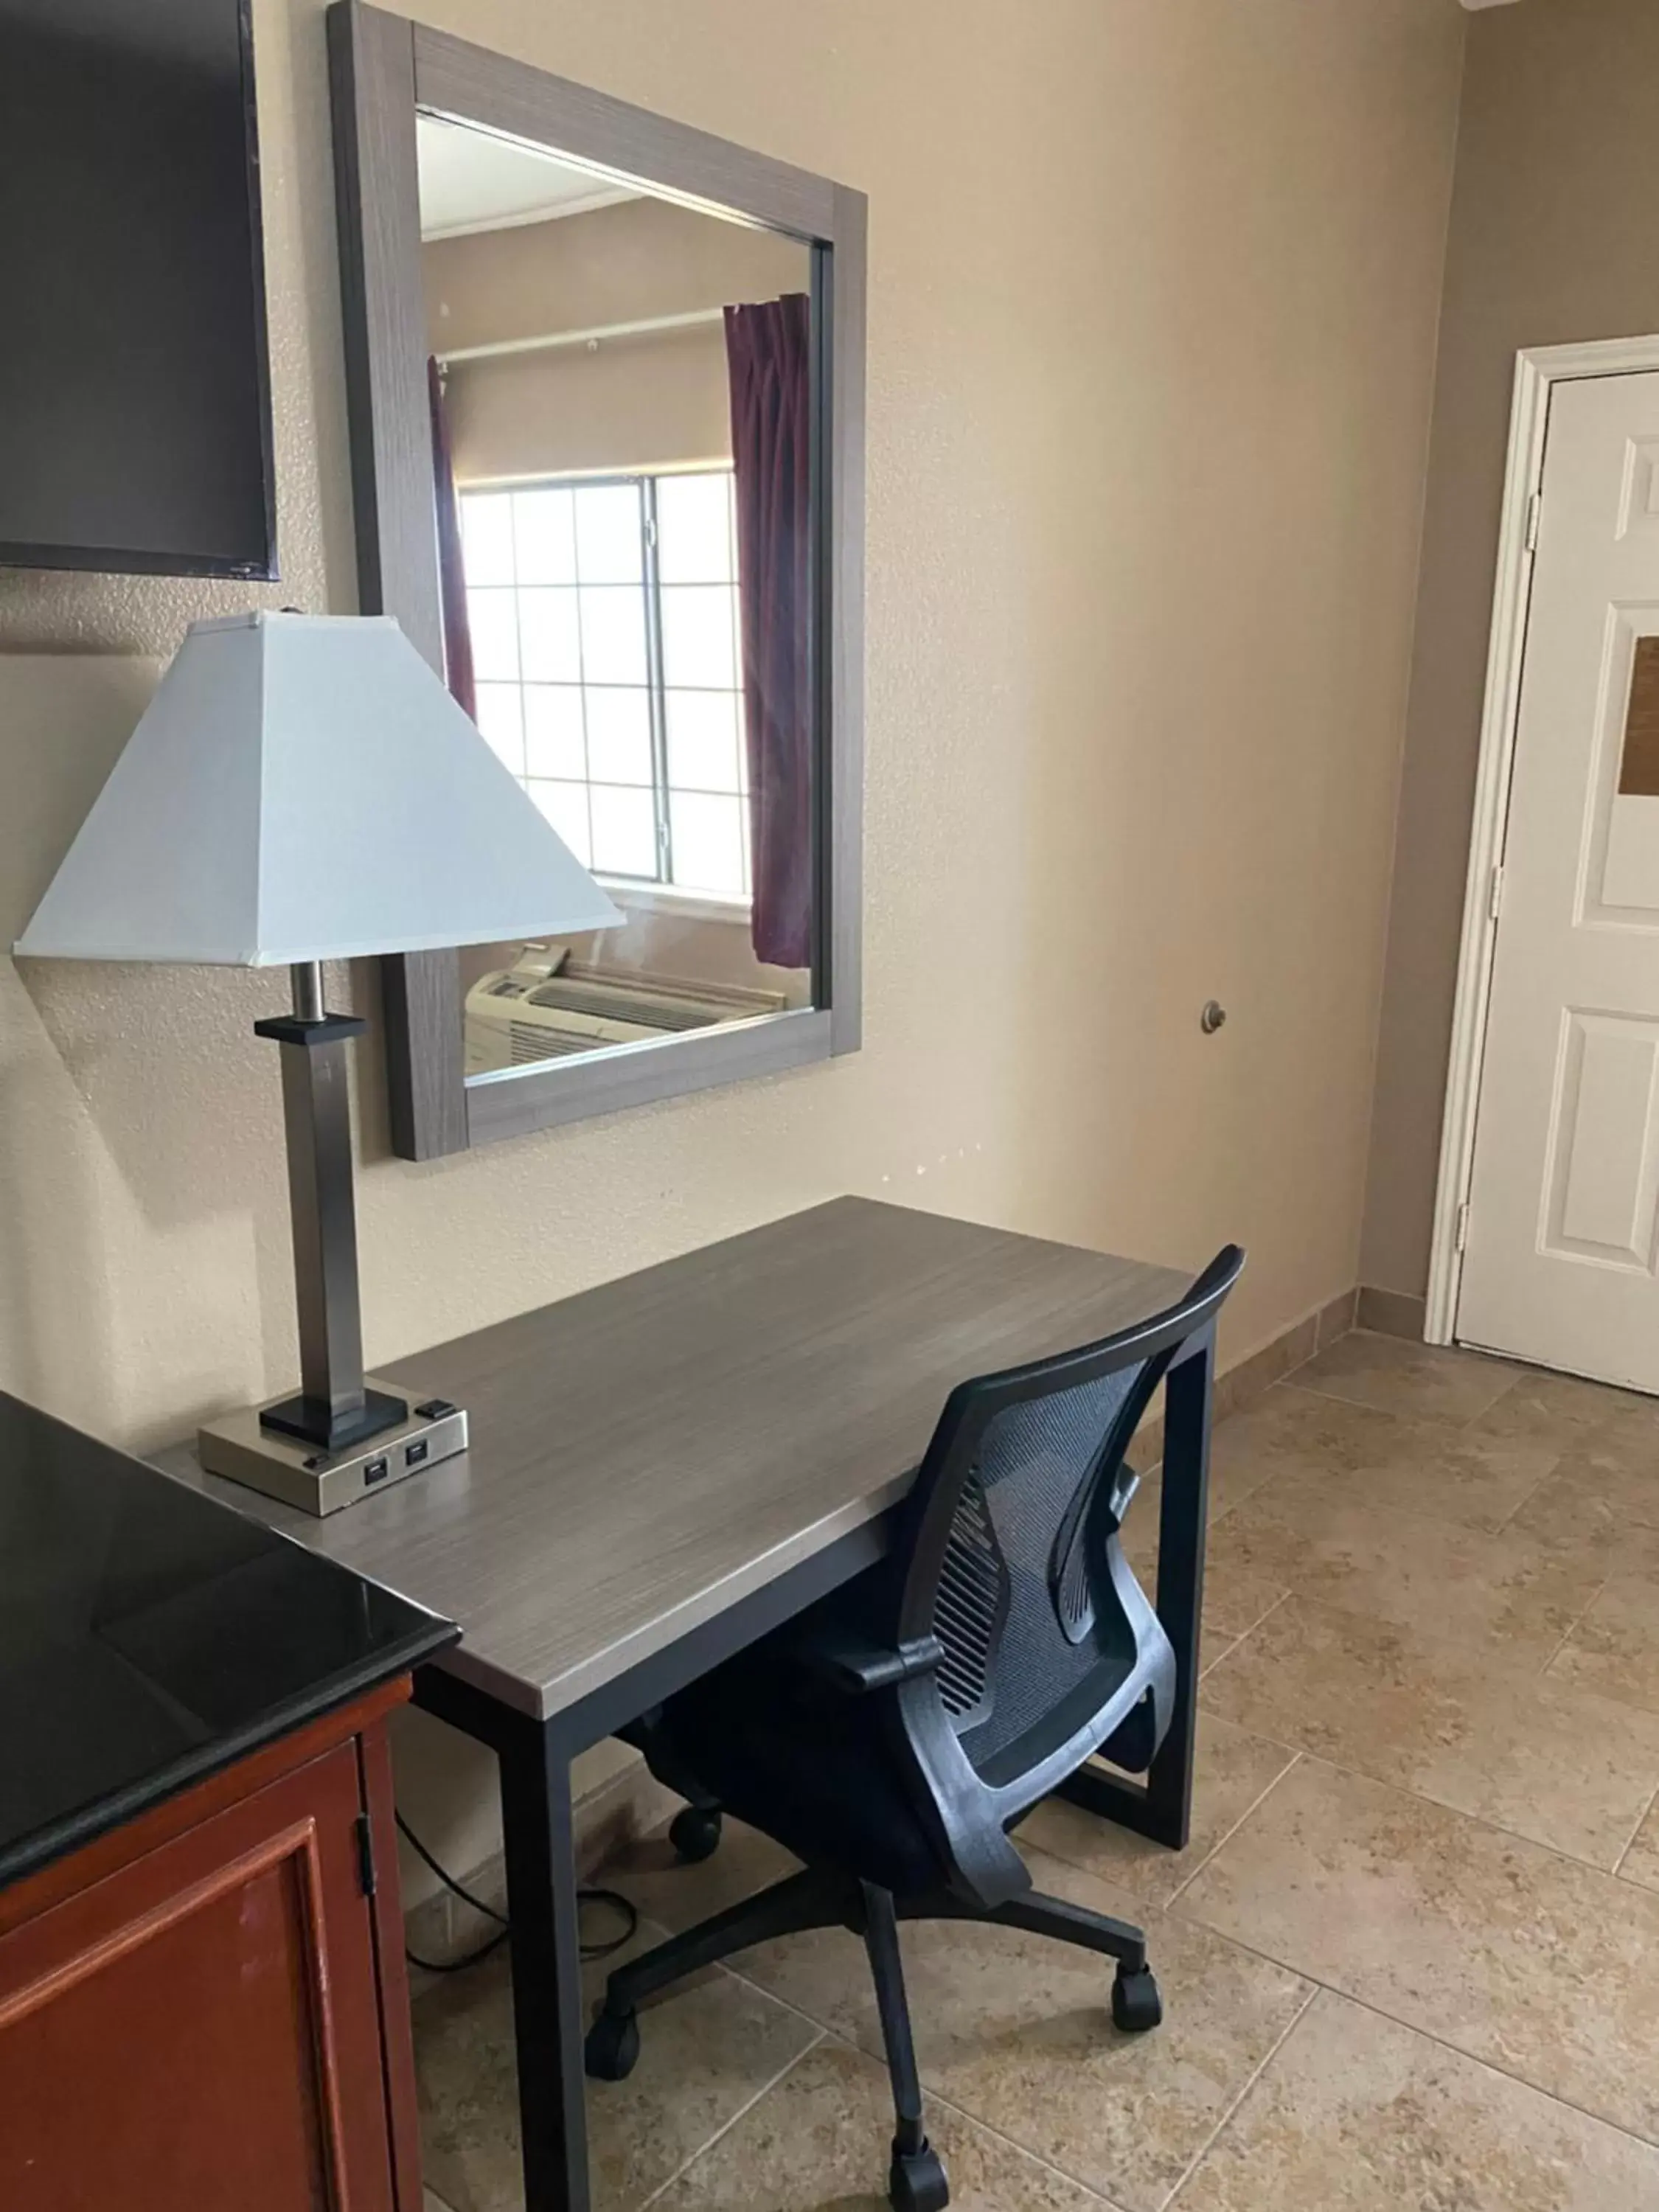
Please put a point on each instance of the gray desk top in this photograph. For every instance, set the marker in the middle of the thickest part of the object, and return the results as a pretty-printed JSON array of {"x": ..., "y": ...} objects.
[{"x": 648, "y": 1452}]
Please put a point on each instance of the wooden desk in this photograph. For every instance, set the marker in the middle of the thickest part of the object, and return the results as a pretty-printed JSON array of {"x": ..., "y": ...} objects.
[{"x": 666, "y": 1467}]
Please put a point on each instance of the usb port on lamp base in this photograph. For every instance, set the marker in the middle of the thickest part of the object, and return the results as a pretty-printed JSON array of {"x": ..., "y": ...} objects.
[{"x": 321, "y": 1483}]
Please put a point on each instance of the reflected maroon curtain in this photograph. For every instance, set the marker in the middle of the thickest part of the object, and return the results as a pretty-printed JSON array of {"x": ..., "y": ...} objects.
[
  {"x": 452, "y": 572},
  {"x": 767, "y": 350}
]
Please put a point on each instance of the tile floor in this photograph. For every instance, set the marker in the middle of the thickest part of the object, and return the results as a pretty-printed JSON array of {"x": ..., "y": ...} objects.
[{"x": 1411, "y": 1959}]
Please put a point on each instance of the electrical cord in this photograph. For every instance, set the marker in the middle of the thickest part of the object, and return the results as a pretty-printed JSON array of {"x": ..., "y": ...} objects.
[
  {"x": 447, "y": 1878},
  {"x": 612, "y": 1898},
  {"x": 457, "y": 1965}
]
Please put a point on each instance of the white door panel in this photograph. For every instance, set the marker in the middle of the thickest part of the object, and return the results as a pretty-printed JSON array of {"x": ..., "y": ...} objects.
[
  {"x": 1601, "y": 1186},
  {"x": 1561, "y": 1258}
]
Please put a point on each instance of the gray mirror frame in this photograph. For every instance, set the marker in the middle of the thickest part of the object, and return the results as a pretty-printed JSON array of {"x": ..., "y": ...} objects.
[{"x": 384, "y": 68}]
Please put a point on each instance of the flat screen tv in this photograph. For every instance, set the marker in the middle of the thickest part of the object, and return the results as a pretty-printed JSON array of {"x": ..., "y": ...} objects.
[{"x": 135, "y": 386}]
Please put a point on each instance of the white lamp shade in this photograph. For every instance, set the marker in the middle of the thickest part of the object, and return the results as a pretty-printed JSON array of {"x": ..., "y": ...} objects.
[{"x": 303, "y": 787}]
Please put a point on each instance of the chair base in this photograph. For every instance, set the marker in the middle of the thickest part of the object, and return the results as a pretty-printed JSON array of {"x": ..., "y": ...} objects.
[
  {"x": 818, "y": 1898},
  {"x": 612, "y": 2049},
  {"x": 917, "y": 2181},
  {"x": 1136, "y": 2003},
  {"x": 694, "y": 1833}
]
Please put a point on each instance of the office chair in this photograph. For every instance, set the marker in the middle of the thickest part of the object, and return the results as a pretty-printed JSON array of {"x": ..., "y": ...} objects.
[{"x": 891, "y": 1736}]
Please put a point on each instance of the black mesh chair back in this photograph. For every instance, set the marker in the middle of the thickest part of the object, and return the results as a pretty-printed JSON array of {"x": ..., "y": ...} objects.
[{"x": 1047, "y": 1648}]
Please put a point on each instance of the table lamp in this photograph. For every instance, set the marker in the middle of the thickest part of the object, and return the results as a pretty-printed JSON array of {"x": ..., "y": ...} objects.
[{"x": 303, "y": 788}]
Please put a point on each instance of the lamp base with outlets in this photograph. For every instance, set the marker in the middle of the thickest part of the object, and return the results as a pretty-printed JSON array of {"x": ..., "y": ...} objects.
[
  {"x": 309, "y": 1421},
  {"x": 246, "y": 1449}
]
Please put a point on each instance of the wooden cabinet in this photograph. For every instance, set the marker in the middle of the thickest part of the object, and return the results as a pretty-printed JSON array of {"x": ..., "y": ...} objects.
[{"x": 208, "y": 2008}]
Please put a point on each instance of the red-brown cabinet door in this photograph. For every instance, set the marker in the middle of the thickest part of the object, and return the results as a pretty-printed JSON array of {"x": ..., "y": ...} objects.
[{"x": 201, "y": 2028}]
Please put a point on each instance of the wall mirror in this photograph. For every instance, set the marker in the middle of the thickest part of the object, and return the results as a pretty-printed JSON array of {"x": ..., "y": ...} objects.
[{"x": 607, "y": 383}]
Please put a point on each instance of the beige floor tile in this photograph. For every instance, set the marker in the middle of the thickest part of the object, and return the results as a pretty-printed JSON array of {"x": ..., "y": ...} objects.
[
  {"x": 1401, "y": 1377},
  {"x": 1213, "y": 1649},
  {"x": 1615, "y": 1650},
  {"x": 1562, "y": 1411},
  {"x": 1358, "y": 2114},
  {"x": 1549, "y": 1761},
  {"x": 1393, "y": 1462},
  {"x": 1613, "y": 1484},
  {"x": 1242, "y": 1385},
  {"x": 1234, "y": 1768},
  {"x": 1641, "y": 1861},
  {"x": 1235, "y": 1599},
  {"x": 1512, "y": 1592},
  {"x": 705, "y": 2051},
  {"x": 677, "y": 1896},
  {"x": 1544, "y": 1967},
  {"x": 818, "y": 2140},
  {"x": 1235, "y": 1477},
  {"x": 1017, "y": 2031},
  {"x": 1575, "y": 1515}
]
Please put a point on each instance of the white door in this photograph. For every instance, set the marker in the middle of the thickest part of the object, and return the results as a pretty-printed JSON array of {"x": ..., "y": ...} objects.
[{"x": 1561, "y": 1261}]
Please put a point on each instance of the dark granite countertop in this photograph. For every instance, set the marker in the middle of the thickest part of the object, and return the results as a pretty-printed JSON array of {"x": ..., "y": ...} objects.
[{"x": 149, "y": 1635}]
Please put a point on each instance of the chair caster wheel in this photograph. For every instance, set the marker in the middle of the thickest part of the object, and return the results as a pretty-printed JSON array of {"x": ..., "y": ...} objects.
[
  {"x": 694, "y": 1834},
  {"x": 917, "y": 2184},
  {"x": 612, "y": 2049},
  {"x": 1136, "y": 2004}
]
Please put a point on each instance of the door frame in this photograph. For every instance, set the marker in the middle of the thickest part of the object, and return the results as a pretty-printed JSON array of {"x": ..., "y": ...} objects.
[{"x": 1538, "y": 370}]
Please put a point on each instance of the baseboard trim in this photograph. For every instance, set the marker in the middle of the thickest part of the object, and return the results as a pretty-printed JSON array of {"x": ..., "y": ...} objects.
[
  {"x": 623, "y": 1807},
  {"x": 1257, "y": 1372},
  {"x": 1393, "y": 1313}
]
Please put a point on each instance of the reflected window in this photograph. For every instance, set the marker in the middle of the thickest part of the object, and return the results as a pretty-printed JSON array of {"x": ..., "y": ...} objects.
[{"x": 606, "y": 650}]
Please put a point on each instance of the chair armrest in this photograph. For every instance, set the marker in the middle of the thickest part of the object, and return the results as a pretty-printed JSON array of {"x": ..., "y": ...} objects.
[{"x": 852, "y": 1662}]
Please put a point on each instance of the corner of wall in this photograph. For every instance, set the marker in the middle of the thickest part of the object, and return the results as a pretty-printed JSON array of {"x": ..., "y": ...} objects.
[{"x": 1365, "y": 1258}]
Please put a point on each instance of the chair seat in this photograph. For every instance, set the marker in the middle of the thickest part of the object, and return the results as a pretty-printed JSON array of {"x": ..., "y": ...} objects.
[{"x": 804, "y": 1764}]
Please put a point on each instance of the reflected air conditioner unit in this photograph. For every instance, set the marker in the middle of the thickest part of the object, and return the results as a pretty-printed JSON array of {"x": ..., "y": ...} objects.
[{"x": 545, "y": 1008}]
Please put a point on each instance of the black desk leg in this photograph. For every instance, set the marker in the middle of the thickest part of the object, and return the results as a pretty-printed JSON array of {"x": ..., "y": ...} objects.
[
  {"x": 1161, "y": 1807},
  {"x": 546, "y": 1945},
  {"x": 1182, "y": 1527}
]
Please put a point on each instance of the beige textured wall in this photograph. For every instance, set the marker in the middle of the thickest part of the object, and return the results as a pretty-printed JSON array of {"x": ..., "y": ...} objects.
[
  {"x": 642, "y": 403},
  {"x": 647, "y": 403},
  {"x": 612, "y": 264},
  {"x": 1153, "y": 294},
  {"x": 1554, "y": 238}
]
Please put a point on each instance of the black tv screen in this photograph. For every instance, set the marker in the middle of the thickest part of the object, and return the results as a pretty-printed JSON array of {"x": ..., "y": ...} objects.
[{"x": 135, "y": 400}]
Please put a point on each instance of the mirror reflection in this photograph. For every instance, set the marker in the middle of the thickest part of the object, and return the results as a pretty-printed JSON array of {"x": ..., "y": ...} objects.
[{"x": 621, "y": 399}]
